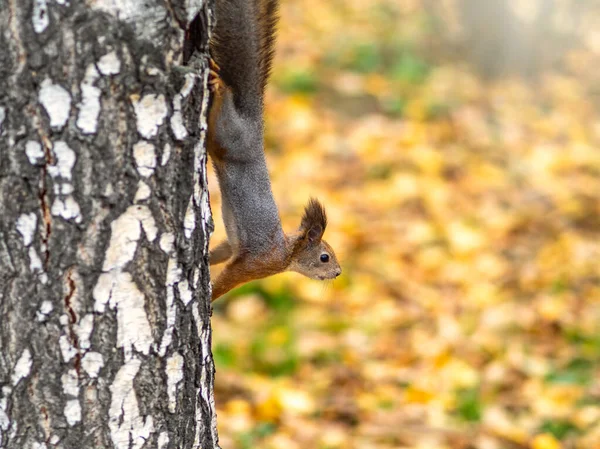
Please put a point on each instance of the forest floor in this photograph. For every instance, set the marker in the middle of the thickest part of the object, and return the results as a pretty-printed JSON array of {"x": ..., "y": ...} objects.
[{"x": 466, "y": 217}]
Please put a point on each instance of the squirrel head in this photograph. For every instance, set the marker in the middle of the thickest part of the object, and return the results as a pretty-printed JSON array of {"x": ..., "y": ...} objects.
[{"x": 311, "y": 255}]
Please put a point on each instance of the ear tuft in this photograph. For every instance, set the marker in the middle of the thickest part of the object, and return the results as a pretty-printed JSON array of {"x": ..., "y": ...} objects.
[{"x": 314, "y": 220}]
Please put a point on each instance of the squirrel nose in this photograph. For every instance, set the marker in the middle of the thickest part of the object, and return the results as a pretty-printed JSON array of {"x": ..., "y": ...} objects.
[{"x": 338, "y": 272}]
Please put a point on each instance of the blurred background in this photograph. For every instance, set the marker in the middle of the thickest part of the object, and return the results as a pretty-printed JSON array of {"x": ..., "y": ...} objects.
[{"x": 455, "y": 144}]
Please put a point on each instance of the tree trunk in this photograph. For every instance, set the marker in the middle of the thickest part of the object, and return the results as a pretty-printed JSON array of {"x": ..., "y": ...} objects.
[{"x": 104, "y": 223}]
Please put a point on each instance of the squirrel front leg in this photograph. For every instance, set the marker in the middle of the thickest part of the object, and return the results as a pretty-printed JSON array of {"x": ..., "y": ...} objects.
[
  {"x": 237, "y": 271},
  {"x": 230, "y": 277}
]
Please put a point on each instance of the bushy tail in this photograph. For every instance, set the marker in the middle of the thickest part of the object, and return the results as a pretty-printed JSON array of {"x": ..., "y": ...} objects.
[
  {"x": 268, "y": 16},
  {"x": 243, "y": 45}
]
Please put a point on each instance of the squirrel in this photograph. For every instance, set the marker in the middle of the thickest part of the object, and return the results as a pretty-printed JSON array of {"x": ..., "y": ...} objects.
[{"x": 242, "y": 48}]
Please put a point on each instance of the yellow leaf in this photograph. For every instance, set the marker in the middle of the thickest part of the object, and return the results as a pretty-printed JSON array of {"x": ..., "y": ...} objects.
[
  {"x": 545, "y": 441},
  {"x": 416, "y": 395},
  {"x": 269, "y": 410},
  {"x": 278, "y": 336}
]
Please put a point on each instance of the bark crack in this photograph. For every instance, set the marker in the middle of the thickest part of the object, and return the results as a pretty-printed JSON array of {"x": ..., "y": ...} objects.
[
  {"x": 43, "y": 192},
  {"x": 46, "y": 217},
  {"x": 74, "y": 339}
]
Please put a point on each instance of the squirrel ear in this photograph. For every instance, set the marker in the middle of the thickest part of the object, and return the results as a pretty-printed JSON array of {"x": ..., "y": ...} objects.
[
  {"x": 314, "y": 234},
  {"x": 314, "y": 221}
]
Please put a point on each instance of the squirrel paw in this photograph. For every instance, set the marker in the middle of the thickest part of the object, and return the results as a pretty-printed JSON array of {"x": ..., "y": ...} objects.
[
  {"x": 215, "y": 83},
  {"x": 213, "y": 65},
  {"x": 214, "y": 80}
]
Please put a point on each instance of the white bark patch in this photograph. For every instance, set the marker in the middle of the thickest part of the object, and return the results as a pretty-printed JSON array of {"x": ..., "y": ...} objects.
[
  {"x": 26, "y": 226},
  {"x": 65, "y": 161},
  {"x": 117, "y": 288},
  {"x": 196, "y": 276},
  {"x": 126, "y": 231},
  {"x": 174, "y": 371},
  {"x": 35, "y": 263},
  {"x": 89, "y": 108},
  {"x": 40, "y": 17},
  {"x": 64, "y": 204},
  {"x": 190, "y": 81},
  {"x": 179, "y": 130},
  {"x": 193, "y": 8},
  {"x": 205, "y": 205},
  {"x": 166, "y": 155},
  {"x": 56, "y": 101},
  {"x": 84, "y": 331},
  {"x": 142, "y": 193},
  {"x": 2, "y": 117},
  {"x": 185, "y": 293},
  {"x": 45, "y": 310},
  {"x": 167, "y": 242},
  {"x": 70, "y": 383},
  {"x": 92, "y": 363},
  {"x": 189, "y": 220},
  {"x": 34, "y": 152},
  {"x": 66, "y": 208},
  {"x": 128, "y": 429},
  {"x": 109, "y": 64},
  {"x": 64, "y": 319},
  {"x": 63, "y": 189},
  {"x": 145, "y": 17},
  {"x": 123, "y": 9},
  {"x": 4, "y": 421},
  {"x": 163, "y": 440},
  {"x": 66, "y": 348},
  {"x": 173, "y": 277},
  {"x": 22, "y": 367},
  {"x": 120, "y": 291},
  {"x": 145, "y": 158},
  {"x": 150, "y": 112},
  {"x": 73, "y": 411}
]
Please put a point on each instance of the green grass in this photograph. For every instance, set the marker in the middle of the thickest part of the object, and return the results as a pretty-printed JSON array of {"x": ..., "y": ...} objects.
[
  {"x": 469, "y": 406},
  {"x": 579, "y": 371},
  {"x": 559, "y": 428},
  {"x": 409, "y": 69},
  {"x": 298, "y": 81},
  {"x": 249, "y": 440}
]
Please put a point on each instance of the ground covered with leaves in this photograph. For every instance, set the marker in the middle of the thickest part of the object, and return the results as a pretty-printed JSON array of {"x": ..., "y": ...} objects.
[{"x": 466, "y": 216}]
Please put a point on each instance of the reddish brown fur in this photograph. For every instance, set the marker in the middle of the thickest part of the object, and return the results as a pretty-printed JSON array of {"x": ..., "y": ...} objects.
[
  {"x": 314, "y": 217},
  {"x": 301, "y": 253}
]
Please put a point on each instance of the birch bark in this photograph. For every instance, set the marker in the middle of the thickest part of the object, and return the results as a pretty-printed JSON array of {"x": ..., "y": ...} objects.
[{"x": 104, "y": 224}]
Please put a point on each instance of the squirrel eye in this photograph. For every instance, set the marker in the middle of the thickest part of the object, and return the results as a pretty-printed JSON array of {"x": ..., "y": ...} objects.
[{"x": 324, "y": 258}]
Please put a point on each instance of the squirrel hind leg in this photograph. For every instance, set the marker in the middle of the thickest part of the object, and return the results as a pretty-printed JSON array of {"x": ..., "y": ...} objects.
[{"x": 221, "y": 253}]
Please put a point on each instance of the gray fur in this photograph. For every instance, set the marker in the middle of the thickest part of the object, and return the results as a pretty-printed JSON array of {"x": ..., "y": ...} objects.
[{"x": 249, "y": 211}]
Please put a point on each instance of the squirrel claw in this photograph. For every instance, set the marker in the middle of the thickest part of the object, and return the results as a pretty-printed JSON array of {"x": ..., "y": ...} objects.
[
  {"x": 213, "y": 65},
  {"x": 214, "y": 81}
]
